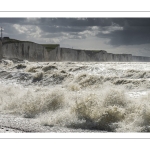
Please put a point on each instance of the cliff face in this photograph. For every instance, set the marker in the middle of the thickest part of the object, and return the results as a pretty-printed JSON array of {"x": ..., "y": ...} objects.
[
  {"x": 27, "y": 50},
  {"x": 36, "y": 52},
  {"x": 1, "y": 55},
  {"x": 67, "y": 54}
]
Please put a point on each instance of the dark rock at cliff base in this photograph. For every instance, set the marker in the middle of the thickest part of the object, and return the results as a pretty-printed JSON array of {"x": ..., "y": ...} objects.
[{"x": 20, "y": 66}]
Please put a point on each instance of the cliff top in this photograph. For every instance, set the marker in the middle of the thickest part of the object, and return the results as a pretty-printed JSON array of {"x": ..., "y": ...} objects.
[
  {"x": 49, "y": 47},
  {"x": 8, "y": 40}
]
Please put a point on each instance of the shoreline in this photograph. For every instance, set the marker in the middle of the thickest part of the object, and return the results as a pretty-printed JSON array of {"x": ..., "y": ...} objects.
[{"x": 16, "y": 124}]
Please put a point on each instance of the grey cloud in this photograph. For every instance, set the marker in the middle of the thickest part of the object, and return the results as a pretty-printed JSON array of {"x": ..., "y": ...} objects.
[
  {"x": 134, "y": 31},
  {"x": 131, "y": 35},
  {"x": 57, "y": 29},
  {"x": 12, "y": 20},
  {"x": 9, "y": 30},
  {"x": 59, "y": 21},
  {"x": 51, "y": 35},
  {"x": 79, "y": 21},
  {"x": 76, "y": 21},
  {"x": 96, "y": 21}
]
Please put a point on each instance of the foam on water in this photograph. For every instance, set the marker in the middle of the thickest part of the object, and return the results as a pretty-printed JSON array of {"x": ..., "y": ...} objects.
[{"x": 104, "y": 96}]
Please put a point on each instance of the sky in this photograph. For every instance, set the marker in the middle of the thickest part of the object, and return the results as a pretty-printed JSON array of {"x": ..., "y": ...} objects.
[{"x": 115, "y": 35}]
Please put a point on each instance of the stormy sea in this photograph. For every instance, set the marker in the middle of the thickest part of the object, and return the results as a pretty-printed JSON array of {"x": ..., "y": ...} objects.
[{"x": 91, "y": 96}]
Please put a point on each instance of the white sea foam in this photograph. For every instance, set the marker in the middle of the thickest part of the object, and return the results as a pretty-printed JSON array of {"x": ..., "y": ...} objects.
[{"x": 103, "y": 96}]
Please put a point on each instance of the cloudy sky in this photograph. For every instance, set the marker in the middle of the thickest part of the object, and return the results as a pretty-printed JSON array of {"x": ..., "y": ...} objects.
[{"x": 115, "y": 35}]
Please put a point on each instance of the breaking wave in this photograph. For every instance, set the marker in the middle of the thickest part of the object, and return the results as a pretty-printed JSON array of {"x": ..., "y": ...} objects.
[
  {"x": 77, "y": 95},
  {"x": 102, "y": 109}
]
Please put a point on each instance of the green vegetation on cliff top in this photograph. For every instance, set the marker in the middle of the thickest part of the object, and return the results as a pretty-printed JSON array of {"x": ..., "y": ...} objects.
[
  {"x": 49, "y": 47},
  {"x": 15, "y": 41}
]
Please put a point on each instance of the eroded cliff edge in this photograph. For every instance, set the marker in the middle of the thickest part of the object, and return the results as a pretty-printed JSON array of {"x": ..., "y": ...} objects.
[
  {"x": 1, "y": 55},
  {"x": 38, "y": 52}
]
